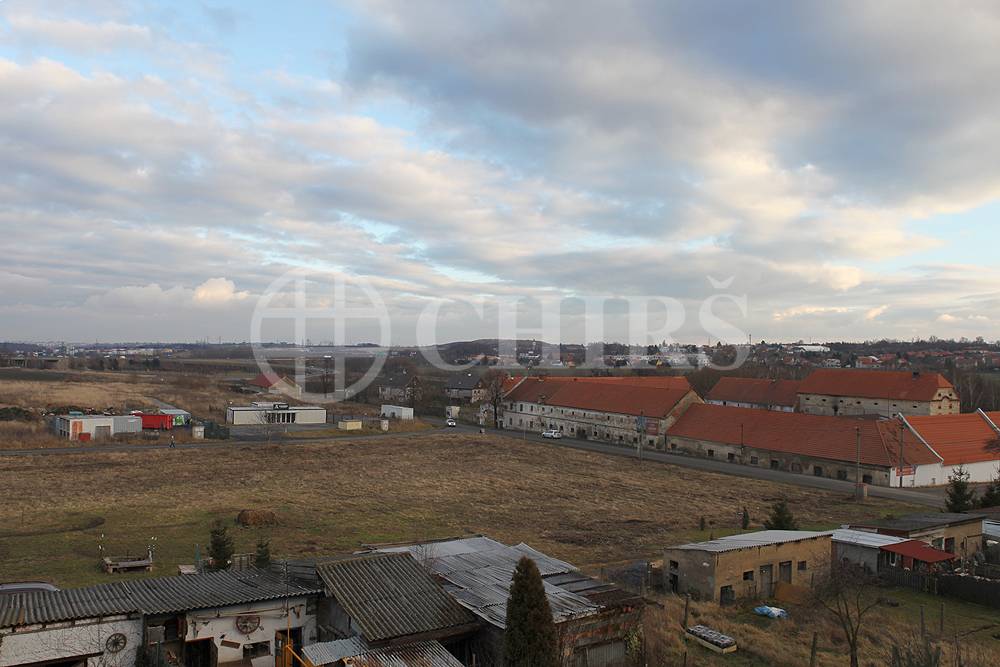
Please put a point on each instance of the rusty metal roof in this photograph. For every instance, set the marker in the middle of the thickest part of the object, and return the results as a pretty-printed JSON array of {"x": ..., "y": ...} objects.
[
  {"x": 391, "y": 595},
  {"x": 160, "y": 595}
]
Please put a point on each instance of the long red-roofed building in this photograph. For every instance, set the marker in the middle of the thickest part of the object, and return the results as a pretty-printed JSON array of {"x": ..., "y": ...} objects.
[
  {"x": 623, "y": 410},
  {"x": 846, "y": 392},
  {"x": 761, "y": 393},
  {"x": 970, "y": 440},
  {"x": 795, "y": 442}
]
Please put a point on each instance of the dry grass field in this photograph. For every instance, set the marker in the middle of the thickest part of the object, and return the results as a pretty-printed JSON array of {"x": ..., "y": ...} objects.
[
  {"x": 787, "y": 642},
  {"x": 334, "y": 496}
]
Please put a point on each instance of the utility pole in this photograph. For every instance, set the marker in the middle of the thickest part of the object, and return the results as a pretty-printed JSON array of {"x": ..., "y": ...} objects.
[{"x": 899, "y": 463}]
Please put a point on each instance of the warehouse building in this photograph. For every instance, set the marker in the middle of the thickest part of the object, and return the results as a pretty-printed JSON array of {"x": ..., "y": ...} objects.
[
  {"x": 970, "y": 440},
  {"x": 847, "y": 392},
  {"x": 258, "y": 413},
  {"x": 809, "y": 444},
  {"x": 758, "y": 393},
  {"x": 620, "y": 410},
  {"x": 94, "y": 427},
  {"x": 745, "y": 566}
]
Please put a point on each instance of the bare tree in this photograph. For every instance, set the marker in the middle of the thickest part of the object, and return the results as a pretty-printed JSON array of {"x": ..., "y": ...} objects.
[
  {"x": 493, "y": 382},
  {"x": 848, "y": 594}
]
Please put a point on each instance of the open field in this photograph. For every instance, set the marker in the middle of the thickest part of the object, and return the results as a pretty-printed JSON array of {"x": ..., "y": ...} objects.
[{"x": 587, "y": 508}]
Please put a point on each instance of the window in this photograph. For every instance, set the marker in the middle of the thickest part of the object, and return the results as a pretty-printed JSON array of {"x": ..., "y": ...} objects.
[
  {"x": 731, "y": 457},
  {"x": 674, "y": 565},
  {"x": 842, "y": 474},
  {"x": 753, "y": 460},
  {"x": 803, "y": 566},
  {"x": 748, "y": 575},
  {"x": 673, "y": 445},
  {"x": 256, "y": 650},
  {"x": 867, "y": 479},
  {"x": 817, "y": 471},
  {"x": 711, "y": 453},
  {"x": 775, "y": 464}
]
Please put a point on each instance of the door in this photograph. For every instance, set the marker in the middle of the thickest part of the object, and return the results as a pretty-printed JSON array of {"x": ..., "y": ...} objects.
[
  {"x": 766, "y": 579},
  {"x": 785, "y": 572},
  {"x": 102, "y": 432},
  {"x": 200, "y": 653},
  {"x": 291, "y": 639}
]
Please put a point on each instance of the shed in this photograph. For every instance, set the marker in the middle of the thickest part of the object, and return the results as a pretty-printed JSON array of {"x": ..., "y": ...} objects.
[{"x": 397, "y": 412}]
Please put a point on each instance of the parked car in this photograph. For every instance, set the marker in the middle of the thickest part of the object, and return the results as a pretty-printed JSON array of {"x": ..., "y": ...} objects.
[
  {"x": 552, "y": 433},
  {"x": 450, "y": 422}
]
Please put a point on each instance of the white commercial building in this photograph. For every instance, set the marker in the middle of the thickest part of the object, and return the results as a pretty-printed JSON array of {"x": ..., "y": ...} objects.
[{"x": 275, "y": 413}]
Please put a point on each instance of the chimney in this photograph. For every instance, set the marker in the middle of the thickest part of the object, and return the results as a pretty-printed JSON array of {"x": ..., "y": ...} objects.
[{"x": 916, "y": 374}]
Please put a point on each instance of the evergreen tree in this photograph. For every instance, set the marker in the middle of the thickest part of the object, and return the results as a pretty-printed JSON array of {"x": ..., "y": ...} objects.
[
  {"x": 991, "y": 494},
  {"x": 262, "y": 558},
  {"x": 745, "y": 521},
  {"x": 220, "y": 546},
  {"x": 530, "y": 640},
  {"x": 781, "y": 517},
  {"x": 961, "y": 497}
]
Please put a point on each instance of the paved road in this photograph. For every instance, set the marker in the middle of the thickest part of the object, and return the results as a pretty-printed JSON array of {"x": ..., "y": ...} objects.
[{"x": 929, "y": 497}]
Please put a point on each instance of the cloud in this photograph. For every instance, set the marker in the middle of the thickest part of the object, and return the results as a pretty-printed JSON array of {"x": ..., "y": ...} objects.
[
  {"x": 217, "y": 292},
  {"x": 466, "y": 150}
]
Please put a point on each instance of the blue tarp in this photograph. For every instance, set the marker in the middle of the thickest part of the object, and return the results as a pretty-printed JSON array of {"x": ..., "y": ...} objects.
[{"x": 770, "y": 612}]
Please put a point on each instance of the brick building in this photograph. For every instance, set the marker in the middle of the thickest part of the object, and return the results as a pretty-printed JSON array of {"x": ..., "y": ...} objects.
[
  {"x": 619, "y": 410},
  {"x": 760, "y": 393},
  {"x": 745, "y": 566},
  {"x": 847, "y": 392},
  {"x": 807, "y": 444}
]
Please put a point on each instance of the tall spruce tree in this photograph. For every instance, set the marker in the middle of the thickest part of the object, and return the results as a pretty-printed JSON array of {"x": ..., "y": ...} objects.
[
  {"x": 781, "y": 517},
  {"x": 960, "y": 496},
  {"x": 220, "y": 546},
  {"x": 530, "y": 640},
  {"x": 745, "y": 519},
  {"x": 991, "y": 494}
]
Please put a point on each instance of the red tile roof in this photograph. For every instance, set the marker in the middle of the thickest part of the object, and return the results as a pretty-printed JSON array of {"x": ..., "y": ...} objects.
[
  {"x": 901, "y": 385},
  {"x": 755, "y": 390},
  {"x": 267, "y": 381},
  {"x": 796, "y": 433},
  {"x": 650, "y": 396},
  {"x": 964, "y": 438},
  {"x": 919, "y": 551}
]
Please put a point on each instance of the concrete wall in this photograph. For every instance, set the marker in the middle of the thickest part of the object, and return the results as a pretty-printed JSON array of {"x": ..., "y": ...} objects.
[
  {"x": 220, "y": 625},
  {"x": 63, "y": 641},
  {"x": 743, "y": 455},
  {"x": 858, "y": 554},
  {"x": 704, "y": 573}
]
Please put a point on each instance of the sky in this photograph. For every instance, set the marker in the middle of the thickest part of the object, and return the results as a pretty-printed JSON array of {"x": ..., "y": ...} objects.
[{"x": 803, "y": 170}]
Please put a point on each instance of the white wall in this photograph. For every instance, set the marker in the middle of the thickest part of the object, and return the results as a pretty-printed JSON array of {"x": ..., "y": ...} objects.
[
  {"x": 937, "y": 475},
  {"x": 63, "y": 641},
  {"x": 220, "y": 624}
]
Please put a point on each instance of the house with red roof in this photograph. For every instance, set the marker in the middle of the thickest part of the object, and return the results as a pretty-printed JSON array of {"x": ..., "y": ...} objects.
[
  {"x": 759, "y": 393},
  {"x": 848, "y": 392},
  {"x": 621, "y": 410},
  {"x": 808, "y": 444},
  {"x": 970, "y": 440},
  {"x": 275, "y": 384}
]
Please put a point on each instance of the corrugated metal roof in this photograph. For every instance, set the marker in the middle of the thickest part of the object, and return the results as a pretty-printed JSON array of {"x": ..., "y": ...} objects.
[
  {"x": 865, "y": 538},
  {"x": 422, "y": 654},
  {"x": 761, "y": 538},
  {"x": 391, "y": 595},
  {"x": 323, "y": 653},
  {"x": 478, "y": 571},
  {"x": 148, "y": 596},
  {"x": 991, "y": 529}
]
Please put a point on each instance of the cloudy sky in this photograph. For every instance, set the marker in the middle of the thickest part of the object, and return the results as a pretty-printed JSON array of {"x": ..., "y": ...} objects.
[{"x": 161, "y": 164}]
